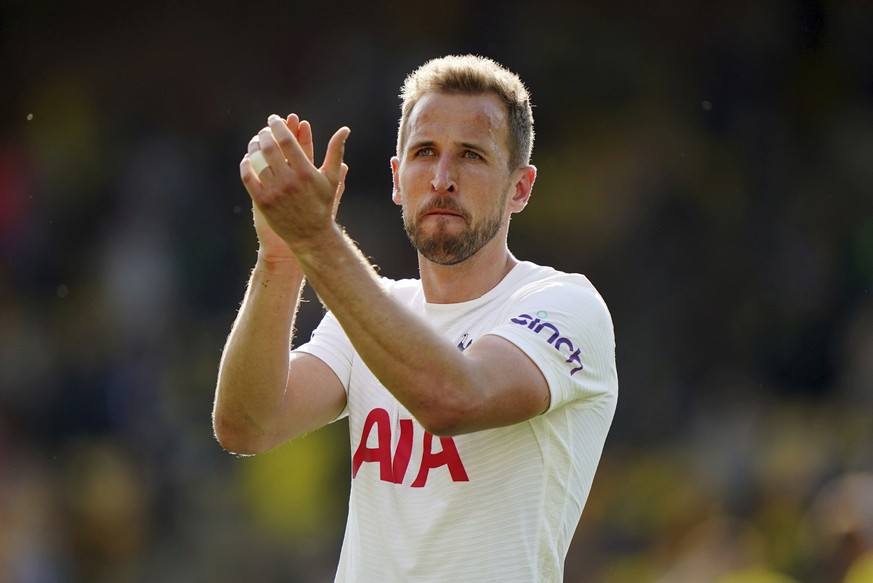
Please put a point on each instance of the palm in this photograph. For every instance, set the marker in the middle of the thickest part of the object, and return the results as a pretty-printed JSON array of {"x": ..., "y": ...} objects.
[{"x": 271, "y": 244}]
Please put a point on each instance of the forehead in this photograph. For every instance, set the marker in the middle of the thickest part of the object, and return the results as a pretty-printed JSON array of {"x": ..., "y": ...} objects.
[{"x": 479, "y": 119}]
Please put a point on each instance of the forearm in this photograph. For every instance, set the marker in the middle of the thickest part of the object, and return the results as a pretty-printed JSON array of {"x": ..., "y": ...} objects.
[
  {"x": 419, "y": 367},
  {"x": 255, "y": 362}
]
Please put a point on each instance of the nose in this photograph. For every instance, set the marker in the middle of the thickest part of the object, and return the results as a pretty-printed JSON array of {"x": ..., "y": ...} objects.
[{"x": 444, "y": 176}]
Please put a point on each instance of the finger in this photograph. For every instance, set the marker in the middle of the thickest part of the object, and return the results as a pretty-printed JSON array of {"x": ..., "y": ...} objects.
[
  {"x": 340, "y": 188},
  {"x": 292, "y": 122},
  {"x": 285, "y": 138},
  {"x": 333, "y": 159},
  {"x": 254, "y": 159},
  {"x": 270, "y": 147},
  {"x": 297, "y": 148},
  {"x": 257, "y": 162},
  {"x": 249, "y": 177},
  {"x": 304, "y": 138},
  {"x": 254, "y": 146}
]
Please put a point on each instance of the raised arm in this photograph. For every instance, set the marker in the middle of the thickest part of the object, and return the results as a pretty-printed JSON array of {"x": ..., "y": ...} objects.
[
  {"x": 264, "y": 395},
  {"x": 491, "y": 384}
]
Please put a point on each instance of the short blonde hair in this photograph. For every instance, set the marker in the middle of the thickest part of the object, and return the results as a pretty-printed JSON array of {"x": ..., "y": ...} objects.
[{"x": 473, "y": 75}]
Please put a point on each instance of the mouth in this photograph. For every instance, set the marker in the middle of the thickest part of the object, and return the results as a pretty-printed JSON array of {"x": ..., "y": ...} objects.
[
  {"x": 443, "y": 213},
  {"x": 445, "y": 207},
  {"x": 442, "y": 218}
]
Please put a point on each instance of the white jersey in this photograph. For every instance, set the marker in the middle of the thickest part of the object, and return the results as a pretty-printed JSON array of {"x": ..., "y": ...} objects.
[{"x": 495, "y": 505}]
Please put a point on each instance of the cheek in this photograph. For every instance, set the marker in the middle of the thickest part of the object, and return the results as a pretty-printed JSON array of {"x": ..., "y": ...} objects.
[{"x": 411, "y": 181}]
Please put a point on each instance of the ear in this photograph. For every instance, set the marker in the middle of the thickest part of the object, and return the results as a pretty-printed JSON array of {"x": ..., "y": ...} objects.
[
  {"x": 524, "y": 180},
  {"x": 395, "y": 174}
]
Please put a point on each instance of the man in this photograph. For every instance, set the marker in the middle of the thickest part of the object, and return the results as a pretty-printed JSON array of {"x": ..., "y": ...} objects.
[{"x": 480, "y": 395}]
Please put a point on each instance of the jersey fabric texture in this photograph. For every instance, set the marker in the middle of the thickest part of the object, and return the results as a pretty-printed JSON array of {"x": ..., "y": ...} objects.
[{"x": 494, "y": 505}]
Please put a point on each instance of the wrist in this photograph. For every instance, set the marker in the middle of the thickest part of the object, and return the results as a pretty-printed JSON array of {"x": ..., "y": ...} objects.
[
  {"x": 320, "y": 248},
  {"x": 278, "y": 264}
]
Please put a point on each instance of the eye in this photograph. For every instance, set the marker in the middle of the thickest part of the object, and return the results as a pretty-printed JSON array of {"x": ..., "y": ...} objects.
[
  {"x": 424, "y": 152},
  {"x": 471, "y": 155}
]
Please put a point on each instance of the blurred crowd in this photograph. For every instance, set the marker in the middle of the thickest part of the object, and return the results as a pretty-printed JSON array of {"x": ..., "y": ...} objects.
[{"x": 709, "y": 168}]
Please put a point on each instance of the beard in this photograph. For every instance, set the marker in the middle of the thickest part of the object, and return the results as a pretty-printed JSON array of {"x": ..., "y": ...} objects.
[{"x": 445, "y": 248}]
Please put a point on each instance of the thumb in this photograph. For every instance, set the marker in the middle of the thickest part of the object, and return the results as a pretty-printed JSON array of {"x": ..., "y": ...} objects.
[
  {"x": 333, "y": 159},
  {"x": 340, "y": 189}
]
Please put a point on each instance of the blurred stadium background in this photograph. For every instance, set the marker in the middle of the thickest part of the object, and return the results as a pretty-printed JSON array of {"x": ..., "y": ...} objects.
[{"x": 708, "y": 165}]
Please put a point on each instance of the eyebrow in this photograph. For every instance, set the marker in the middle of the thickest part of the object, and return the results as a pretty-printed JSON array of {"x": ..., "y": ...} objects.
[
  {"x": 472, "y": 146},
  {"x": 420, "y": 144},
  {"x": 431, "y": 143}
]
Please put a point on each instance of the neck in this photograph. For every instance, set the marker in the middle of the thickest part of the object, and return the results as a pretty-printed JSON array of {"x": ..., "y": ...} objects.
[{"x": 468, "y": 280}]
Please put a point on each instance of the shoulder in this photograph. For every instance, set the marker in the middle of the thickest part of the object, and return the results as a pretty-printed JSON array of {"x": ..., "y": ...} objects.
[
  {"x": 553, "y": 288},
  {"x": 560, "y": 309},
  {"x": 529, "y": 274},
  {"x": 560, "y": 321}
]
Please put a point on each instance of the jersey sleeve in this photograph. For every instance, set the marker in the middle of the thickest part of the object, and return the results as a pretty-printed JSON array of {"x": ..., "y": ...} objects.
[
  {"x": 330, "y": 344},
  {"x": 566, "y": 329}
]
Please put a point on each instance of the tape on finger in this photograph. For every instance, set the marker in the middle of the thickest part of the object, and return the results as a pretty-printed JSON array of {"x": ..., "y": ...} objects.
[{"x": 258, "y": 162}]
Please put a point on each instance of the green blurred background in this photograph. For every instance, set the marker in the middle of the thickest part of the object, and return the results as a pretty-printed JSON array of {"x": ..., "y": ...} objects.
[{"x": 709, "y": 166}]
